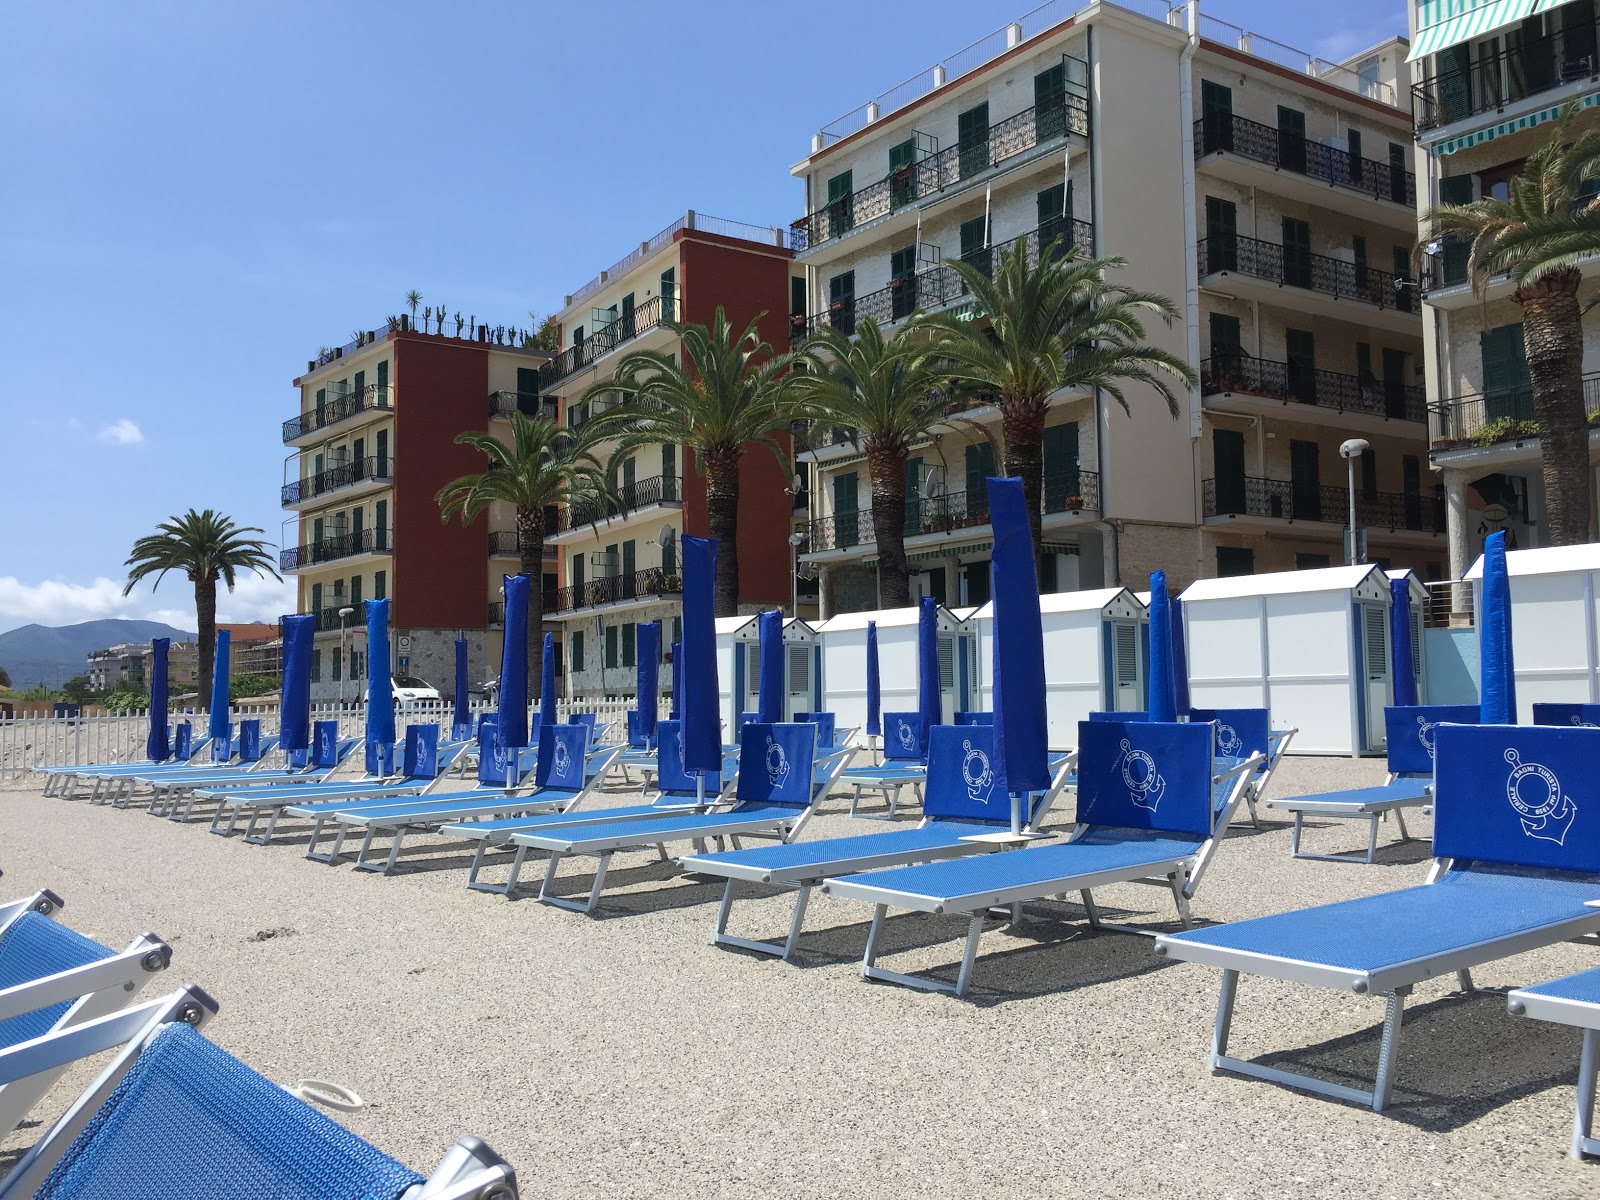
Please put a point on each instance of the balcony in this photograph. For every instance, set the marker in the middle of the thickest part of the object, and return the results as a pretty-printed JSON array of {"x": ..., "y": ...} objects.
[
  {"x": 1267, "y": 503},
  {"x": 369, "y": 401},
  {"x": 1315, "y": 395},
  {"x": 938, "y": 287},
  {"x": 1068, "y": 495},
  {"x": 333, "y": 547},
  {"x": 1504, "y": 418},
  {"x": 504, "y": 403},
  {"x": 370, "y": 474},
  {"x": 329, "y": 620},
  {"x": 1306, "y": 169},
  {"x": 907, "y": 186},
  {"x": 655, "y": 492},
  {"x": 1251, "y": 269},
  {"x": 601, "y": 342},
  {"x": 1537, "y": 72},
  {"x": 652, "y": 585},
  {"x": 507, "y": 543},
  {"x": 495, "y": 614}
]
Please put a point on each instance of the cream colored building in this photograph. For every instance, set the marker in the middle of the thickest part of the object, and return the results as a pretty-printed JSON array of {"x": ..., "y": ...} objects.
[
  {"x": 1266, "y": 192},
  {"x": 1488, "y": 83}
]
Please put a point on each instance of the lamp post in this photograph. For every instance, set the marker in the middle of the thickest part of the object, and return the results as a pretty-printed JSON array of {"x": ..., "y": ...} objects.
[
  {"x": 1350, "y": 451},
  {"x": 795, "y": 541},
  {"x": 344, "y": 661}
]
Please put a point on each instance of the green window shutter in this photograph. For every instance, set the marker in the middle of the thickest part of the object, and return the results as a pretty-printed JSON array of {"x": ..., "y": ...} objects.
[
  {"x": 1353, "y": 141},
  {"x": 1225, "y": 336},
  {"x": 1505, "y": 374},
  {"x": 972, "y": 136},
  {"x": 677, "y": 629},
  {"x": 383, "y": 384},
  {"x": 316, "y": 666},
  {"x": 1291, "y": 139},
  {"x": 980, "y": 466},
  {"x": 628, "y": 635},
  {"x": 1050, "y": 103},
  {"x": 1216, "y": 116},
  {"x": 611, "y": 645},
  {"x": 380, "y": 585},
  {"x": 629, "y": 558},
  {"x": 577, "y": 650},
  {"x": 841, "y": 212},
  {"x": 902, "y": 173},
  {"x": 1300, "y": 348},
  {"x": 316, "y": 597},
  {"x": 577, "y": 573},
  {"x": 669, "y": 559},
  {"x": 1369, "y": 474},
  {"x": 669, "y": 463},
  {"x": 1062, "y": 489},
  {"x": 1363, "y": 359},
  {"x": 355, "y": 592}
]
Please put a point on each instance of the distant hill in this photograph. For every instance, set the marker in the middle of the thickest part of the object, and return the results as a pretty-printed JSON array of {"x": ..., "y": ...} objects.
[{"x": 55, "y": 655}]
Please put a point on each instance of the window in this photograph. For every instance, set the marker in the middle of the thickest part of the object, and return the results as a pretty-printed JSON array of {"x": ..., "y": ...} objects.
[
  {"x": 629, "y": 642},
  {"x": 1235, "y": 560},
  {"x": 577, "y": 650},
  {"x": 669, "y": 558},
  {"x": 841, "y": 212},
  {"x": 842, "y": 302},
  {"x": 1358, "y": 251},
  {"x": 1506, "y": 390},
  {"x": 577, "y": 336},
  {"x": 1353, "y": 141},
  {"x": 338, "y": 664},
  {"x": 630, "y": 560},
  {"x": 383, "y": 384},
  {"x": 973, "y": 139},
  {"x": 316, "y": 666},
  {"x": 1305, "y": 481},
  {"x": 612, "y": 655},
  {"x": 669, "y": 294},
  {"x": 980, "y": 465},
  {"x": 1050, "y": 103},
  {"x": 1296, "y": 252},
  {"x": 1062, "y": 487},
  {"x": 975, "y": 244},
  {"x": 1291, "y": 139},
  {"x": 355, "y": 665},
  {"x": 1300, "y": 349},
  {"x": 1369, "y": 474},
  {"x": 1053, "y": 209},
  {"x": 1397, "y": 173},
  {"x": 322, "y": 405},
  {"x": 902, "y": 282},
  {"x": 797, "y": 297},
  {"x": 1221, "y": 249},
  {"x": 383, "y": 453},
  {"x": 902, "y": 173},
  {"x": 1216, "y": 117},
  {"x": 1367, "y": 77},
  {"x": 380, "y": 585},
  {"x": 1311, "y": 562},
  {"x": 846, "y": 519},
  {"x": 669, "y": 462},
  {"x": 576, "y": 569},
  {"x": 316, "y": 597},
  {"x": 355, "y": 592}
]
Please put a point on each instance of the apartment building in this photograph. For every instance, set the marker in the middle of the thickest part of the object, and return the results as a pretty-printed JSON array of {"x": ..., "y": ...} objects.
[
  {"x": 372, "y": 444},
  {"x": 1488, "y": 82},
  {"x": 1266, "y": 192},
  {"x": 619, "y": 566},
  {"x": 118, "y": 666}
]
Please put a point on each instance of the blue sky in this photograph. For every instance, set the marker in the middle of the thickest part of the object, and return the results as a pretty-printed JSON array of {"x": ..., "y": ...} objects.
[{"x": 200, "y": 195}]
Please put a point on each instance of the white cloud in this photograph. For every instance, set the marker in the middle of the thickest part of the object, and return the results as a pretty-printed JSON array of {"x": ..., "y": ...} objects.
[
  {"x": 122, "y": 432},
  {"x": 60, "y": 602}
]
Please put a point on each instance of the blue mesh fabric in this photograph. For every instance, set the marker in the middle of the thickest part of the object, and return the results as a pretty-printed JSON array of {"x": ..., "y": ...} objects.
[
  {"x": 31, "y": 948},
  {"x": 1584, "y": 987},
  {"x": 843, "y": 850},
  {"x": 190, "y": 1120}
]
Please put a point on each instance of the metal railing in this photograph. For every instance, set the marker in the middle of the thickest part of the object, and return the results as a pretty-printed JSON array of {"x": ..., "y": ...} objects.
[
  {"x": 1292, "y": 267},
  {"x": 338, "y": 408},
  {"x": 504, "y": 403},
  {"x": 1333, "y": 390},
  {"x": 613, "y": 589},
  {"x": 335, "y": 546},
  {"x": 939, "y": 286},
  {"x": 358, "y": 470},
  {"x": 507, "y": 543},
  {"x": 1231, "y": 134},
  {"x": 658, "y": 489},
  {"x": 1500, "y": 416},
  {"x": 1489, "y": 82},
  {"x": 606, "y": 339},
  {"x": 1289, "y": 500},
  {"x": 908, "y": 184}
]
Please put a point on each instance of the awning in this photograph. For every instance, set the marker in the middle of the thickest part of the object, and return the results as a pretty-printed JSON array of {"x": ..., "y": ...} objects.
[
  {"x": 1547, "y": 5},
  {"x": 1527, "y": 121},
  {"x": 1445, "y": 23}
]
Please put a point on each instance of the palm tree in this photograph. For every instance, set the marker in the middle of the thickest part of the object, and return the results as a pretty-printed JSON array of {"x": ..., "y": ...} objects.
[
  {"x": 727, "y": 393},
  {"x": 1055, "y": 324},
  {"x": 413, "y": 298},
  {"x": 205, "y": 546},
  {"x": 543, "y": 465},
  {"x": 885, "y": 392},
  {"x": 1549, "y": 222}
]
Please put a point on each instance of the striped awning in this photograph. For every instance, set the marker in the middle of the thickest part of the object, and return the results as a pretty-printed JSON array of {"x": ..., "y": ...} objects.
[
  {"x": 1445, "y": 23},
  {"x": 1547, "y": 5},
  {"x": 1527, "y": 121}
]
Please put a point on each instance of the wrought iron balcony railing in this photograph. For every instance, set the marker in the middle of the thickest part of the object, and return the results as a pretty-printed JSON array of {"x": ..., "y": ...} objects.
[
  {"x": 338, "y": 408},
  {"x": 911, "y": 183},
  {"x": 1241, "y": 372},
  {"x": 607, "y": 338},
  {"x": 1247, "y": 495},
  {"x": 658, "y": 489},
  {"x": 1491, "y": 81},
  {"x": 1500, "y": 416},
  {"x": 329, "y": 620},
  {"x": 507, "y": 543},
  {"x": 504, "y": 403},
  {"x": 648, "y": 584},
  {"x": 1293, "y": 267},
  {"x": 1230, "y": 134},
  {"x": 335, "y": 546},
  {"x": 357, "y": 470},
  {"x": 939, "y": 286}
]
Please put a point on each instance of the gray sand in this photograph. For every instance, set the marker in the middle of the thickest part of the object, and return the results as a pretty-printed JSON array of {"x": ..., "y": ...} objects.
[{"x": 625, "y": 1055}]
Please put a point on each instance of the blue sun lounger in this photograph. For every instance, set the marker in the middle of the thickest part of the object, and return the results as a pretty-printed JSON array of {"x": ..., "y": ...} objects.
[
  {"x": 679, "y": 795},
  {"x": 1149, "y": 810},
  {"x": 902, "y": 766},
  {"x": 51, "y": 978},
  {"x": 566, "y": 774},
  {"x": 1572, "y": 1000},
  {"x": 61, "y": 781},
  {"x": 1516, "y": 815},
  {"x": 1409, "y": 730},
  {"x": 249, "y": 755},
  {"x": 780, "y": 780},
  {"x": 326, "y": 755},
  {"x": 174, "y": 1117},
  {"x": 960, "y": 813}
]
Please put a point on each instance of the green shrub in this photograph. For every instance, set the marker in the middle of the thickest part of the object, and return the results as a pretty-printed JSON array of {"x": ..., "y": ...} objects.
[{"x": 1503, "y": 429}]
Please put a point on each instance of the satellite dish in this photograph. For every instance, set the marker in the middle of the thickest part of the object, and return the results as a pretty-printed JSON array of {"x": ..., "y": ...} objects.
[{"x": 668, "y": 536}]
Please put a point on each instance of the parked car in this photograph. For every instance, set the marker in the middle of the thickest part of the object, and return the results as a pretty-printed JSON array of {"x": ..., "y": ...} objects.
[{"x": 408, "y": 689}]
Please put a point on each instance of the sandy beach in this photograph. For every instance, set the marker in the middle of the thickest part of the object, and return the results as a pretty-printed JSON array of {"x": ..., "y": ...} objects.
[{"x": 624, "y": 1055}]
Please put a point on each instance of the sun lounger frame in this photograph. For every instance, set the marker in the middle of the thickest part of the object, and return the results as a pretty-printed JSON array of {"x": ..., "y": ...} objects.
[{"x": 1541, "y": 1005}]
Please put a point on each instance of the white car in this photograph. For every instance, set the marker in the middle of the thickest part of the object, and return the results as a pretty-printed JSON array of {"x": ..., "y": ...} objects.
[{"x": 408, "y": 689}]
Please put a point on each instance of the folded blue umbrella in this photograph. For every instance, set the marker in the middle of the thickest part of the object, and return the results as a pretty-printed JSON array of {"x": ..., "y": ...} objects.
[
  {"x": 514, "y": 666},
  {"x": 461, "y": 723},
  {"x": 1496, "y": 670},
  {"x": 874, "y": 688},
  {"x": 380, "y": 688},
  {"x": 648, "y": 650},
  {"x": 1021, "y": 759},
  {"x": 156, "y": 747},
  {"x": 294, "y": 722},
  {"x": 218, "y": 729},
  {"x": 1163, "y": 701},
  {"x": 930, "y": 703},
  {"x": 1405, "y": 667},
  {"x": 547, "y": 683},
  {"x": 702, "y": 727},
  {"x": 769, "y": 634}
]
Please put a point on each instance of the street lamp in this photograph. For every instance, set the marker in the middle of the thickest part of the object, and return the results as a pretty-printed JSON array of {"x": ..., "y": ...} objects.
[
  {"x": 795, "y": 541},
  {"x": 344, "y": 660},
  {"x": 1350, "y": 451}
]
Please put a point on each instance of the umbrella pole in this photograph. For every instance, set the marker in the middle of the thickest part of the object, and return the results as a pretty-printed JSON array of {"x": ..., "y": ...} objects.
[
  {"x": 700, "y": 789},
  {"x": 1016, "y": 813}
]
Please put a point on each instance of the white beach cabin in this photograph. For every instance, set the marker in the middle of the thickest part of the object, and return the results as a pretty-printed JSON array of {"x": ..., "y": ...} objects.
[
  {"x": 1095, "y": 647},
  {"x": 1555, "y": 623},
  {"x": 843, "y": 642},
  {"x": 1310, "y": 646},
  {"x": 739, "y": 667}
]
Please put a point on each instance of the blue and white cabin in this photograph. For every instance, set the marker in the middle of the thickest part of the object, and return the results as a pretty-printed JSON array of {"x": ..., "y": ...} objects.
[
  {"x": 842, "y": 641},
  {"x": 739, "y": 668}
]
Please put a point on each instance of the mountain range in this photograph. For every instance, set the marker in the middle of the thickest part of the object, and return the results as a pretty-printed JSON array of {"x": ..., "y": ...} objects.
[{"x": 56, "y": 654}]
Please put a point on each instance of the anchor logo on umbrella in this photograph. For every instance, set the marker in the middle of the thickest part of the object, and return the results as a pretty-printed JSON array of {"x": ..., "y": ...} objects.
[
  {"x": 1549, "y": 816},
  {"x": 976, "y": 773},
  {"x": 1229, "y": 743},
  {"x": 777, "y": 764},
  {"x": 1144, "y": 781}
]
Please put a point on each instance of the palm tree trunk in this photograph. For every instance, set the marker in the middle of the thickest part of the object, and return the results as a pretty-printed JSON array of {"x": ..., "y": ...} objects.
[
  {"x": 530, "y": 544},
  {"x": 1553, "y": 341},
  {"x": 205, "y": 613},
  {"x": 886, "y": 466},
  {"x": 1022, "y": 426},
  {"x": 722, "y": 517}
]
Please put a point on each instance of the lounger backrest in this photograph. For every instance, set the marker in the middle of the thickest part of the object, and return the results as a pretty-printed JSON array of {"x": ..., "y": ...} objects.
[
  {"x": 1146, "y": 775},
  {"x": 775, "y": 763},
  {"x": 187, "y": 1112},
  {"x": 250, "y": 741},
  {"x": 902, "y": 735},
  {"x": 586, "y": 719},
  {"x": 222, "y": 747},
  {"x": 1241, "y": 732},
  {"x": 961, "y": 780},
  {"x": 746, "y": 718},
  {"x": 421, "y": 758},
  {"x": 32, "y": 947},
  {"x": 562, "y": 752},
  {"x": 826, "y": 730},
  {"x": 1409, "y": 729},
  {"x": 974, "y": 718},
  {"x": 636, "y": 738},
  {"x": 1133, "y": 715},
  {"x": 1518, "y": 795},
  {"x": 325, "y": 744},
  {"x": 1566, "y": 714},
  {"x": 183, "y": 741}
]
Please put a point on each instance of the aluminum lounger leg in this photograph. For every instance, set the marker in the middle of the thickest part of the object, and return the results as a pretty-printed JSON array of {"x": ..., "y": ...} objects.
[
  {"x": 1583, "y": 1113},
  {"x": 1388, "y": 1050},
  {"x": 561, "y": 901},
  {"x": 316, "y": 836},
  {"x": 1400, "y": 820},
  {"x": 974, "y": 932},
  {"x": 1180, "y": 896},
  {"x": 366, "y": 844},
  {"x": 1464, "y": 978},
  {"x": 871, "y": 970},
  {"x": 1089, "y": 907},
  {"x": 1372, "y": 840},
  {"x": 721, "y": 937},
  {"x": 1224, "y": 1025},
  {"x": 510, "y": 890},
  {"x": 394, "y": 849}
]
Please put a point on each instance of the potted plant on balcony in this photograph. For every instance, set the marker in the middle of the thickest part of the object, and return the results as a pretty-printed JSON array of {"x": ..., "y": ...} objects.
[{"x": 665, "y": 586}]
